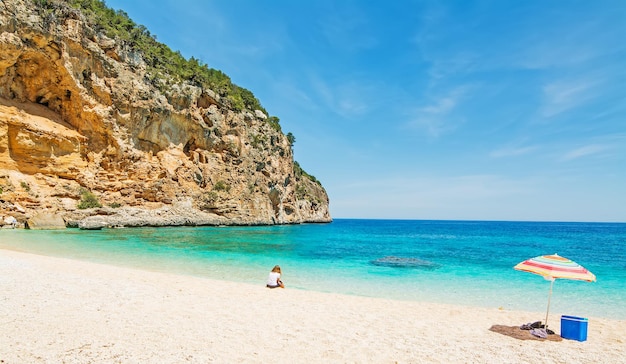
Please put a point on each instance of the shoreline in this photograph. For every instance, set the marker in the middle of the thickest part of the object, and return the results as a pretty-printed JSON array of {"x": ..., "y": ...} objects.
[
  {"x": 470, "y": 291},
  {"x": 57, "y": 309}
]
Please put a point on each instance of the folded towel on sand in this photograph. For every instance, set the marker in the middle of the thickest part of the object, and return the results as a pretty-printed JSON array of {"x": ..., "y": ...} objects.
[{"x": 540, "y": 333}]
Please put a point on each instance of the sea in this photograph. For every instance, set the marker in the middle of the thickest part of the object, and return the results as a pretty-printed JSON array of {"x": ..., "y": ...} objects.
[{"x": 455, "y": 262}]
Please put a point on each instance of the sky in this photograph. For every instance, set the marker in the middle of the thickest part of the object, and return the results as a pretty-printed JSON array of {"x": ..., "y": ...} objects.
[{"x": 435, "y": 110}]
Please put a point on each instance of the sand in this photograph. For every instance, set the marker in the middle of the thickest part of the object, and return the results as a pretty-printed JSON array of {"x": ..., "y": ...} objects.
[{"x": 55, "y": 310}]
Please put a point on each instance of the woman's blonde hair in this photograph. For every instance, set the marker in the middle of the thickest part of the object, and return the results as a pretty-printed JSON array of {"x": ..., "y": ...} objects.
[{"x": 276, "y": 269}]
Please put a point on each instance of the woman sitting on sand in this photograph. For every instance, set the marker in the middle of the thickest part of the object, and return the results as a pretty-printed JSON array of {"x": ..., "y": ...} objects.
[{"x": 273, "y": 281}]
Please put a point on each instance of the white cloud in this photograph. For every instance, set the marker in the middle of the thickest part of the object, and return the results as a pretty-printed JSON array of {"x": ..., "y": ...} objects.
[
  {"x": 351, "y": 106},
  {"x": 609, "y": 145},
  {"x": 441, "y": 106},
  {"x": 570, "y": 44},
  {"x": 438, "y": 117},
  {"x": 585, "y": 151},
  {"x": 348, "y": 99},
  {"x": 562, "y": 96}
]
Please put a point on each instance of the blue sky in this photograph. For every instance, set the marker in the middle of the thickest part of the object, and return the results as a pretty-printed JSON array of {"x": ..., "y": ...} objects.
[{"x": 477, "y": 110}]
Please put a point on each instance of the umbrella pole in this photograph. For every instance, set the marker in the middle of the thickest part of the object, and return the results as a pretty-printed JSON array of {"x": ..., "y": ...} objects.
[{"x": 549, "y": 296}]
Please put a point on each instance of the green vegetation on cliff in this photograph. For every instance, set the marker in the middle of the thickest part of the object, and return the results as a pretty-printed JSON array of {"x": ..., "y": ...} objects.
[
  {"x": 299, "y": 172},
  {"x": 165, "y": 67},
  {"x": 88, "y": 200},
  {"x": 163, "y": 63}
]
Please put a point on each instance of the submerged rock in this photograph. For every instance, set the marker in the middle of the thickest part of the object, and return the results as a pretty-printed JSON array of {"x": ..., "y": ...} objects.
[{"x": 402, "y": 262}]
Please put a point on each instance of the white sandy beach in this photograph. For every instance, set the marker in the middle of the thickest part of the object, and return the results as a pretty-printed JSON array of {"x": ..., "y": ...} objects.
[{"x": 56, "y": 310}]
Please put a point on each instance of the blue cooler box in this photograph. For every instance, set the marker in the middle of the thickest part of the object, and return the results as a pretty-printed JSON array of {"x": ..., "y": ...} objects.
[{"x": 574, "y": 328}]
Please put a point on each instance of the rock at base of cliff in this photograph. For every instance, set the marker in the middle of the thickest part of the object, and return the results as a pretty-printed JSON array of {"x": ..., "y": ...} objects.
[
  {"x": 8, "y": 222},
  {"x": 92, "y": 224},
  {"x": 45, "y": 221}
]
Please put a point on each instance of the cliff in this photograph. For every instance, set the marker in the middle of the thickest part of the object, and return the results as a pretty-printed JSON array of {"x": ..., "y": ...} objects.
[{"x": 83, "y": 122}]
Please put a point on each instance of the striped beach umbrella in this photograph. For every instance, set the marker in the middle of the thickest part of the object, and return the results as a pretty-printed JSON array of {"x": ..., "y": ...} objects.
[{"x": 552, "y": 267}]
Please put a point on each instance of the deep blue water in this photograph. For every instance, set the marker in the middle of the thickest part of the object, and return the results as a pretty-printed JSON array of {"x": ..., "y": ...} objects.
[{"x": 462, "y": 262}]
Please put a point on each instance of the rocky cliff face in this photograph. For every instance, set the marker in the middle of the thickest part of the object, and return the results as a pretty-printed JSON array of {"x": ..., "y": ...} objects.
[{"x": 78, "y": 117}]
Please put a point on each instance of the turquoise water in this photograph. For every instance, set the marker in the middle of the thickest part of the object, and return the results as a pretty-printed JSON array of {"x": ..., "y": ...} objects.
[{"x": 460, "y": 262}]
